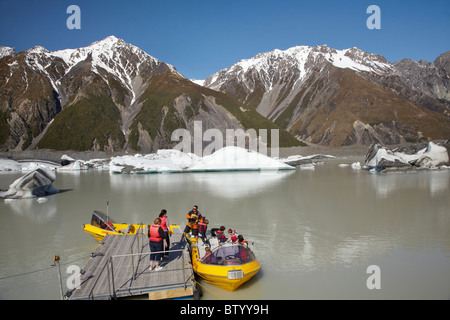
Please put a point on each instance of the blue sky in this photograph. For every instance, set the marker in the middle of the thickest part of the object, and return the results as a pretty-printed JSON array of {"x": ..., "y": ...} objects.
[{"x": 200, "y": 37}]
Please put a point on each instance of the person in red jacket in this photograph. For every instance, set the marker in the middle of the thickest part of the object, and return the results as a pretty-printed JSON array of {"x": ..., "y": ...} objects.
[
  {"x": 156, "y": 243},
  {"x": 202, "y": 226},
  {"x": 232, "y": 235},
  {"x": 242, "y": 241},
  {"x": 165, "y": 226},
  {"x": 221, "y": 235}
]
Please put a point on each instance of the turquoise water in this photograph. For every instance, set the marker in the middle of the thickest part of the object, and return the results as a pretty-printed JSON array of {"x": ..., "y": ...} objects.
[{"x": 315, "y": 232}]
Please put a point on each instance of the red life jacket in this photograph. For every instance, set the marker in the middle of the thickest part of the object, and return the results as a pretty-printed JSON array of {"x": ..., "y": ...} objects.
[
  {"x": 154, "y": 234},
  {"x": 233, "y": 236},
  {"x": 242, "y": 254},
  {"x": 164, "y": 225},
  {"x": 220, "y": 236},
  {"x": 201, "y": 221}
]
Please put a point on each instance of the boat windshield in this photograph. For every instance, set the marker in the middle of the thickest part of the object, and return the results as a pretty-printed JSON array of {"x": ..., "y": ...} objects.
[
  {"x": 229, "y": 255},
  {"x": 101, "y": 220}
]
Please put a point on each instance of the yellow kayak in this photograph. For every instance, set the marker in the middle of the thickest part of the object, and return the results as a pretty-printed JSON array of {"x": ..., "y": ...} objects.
[{"x": 227, "y": 266}]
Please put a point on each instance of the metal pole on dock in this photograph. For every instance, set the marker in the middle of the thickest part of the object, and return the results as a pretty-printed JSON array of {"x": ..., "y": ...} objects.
[
  {"x": 107, "y": 211},
  {"x": 56, "y": 261}
]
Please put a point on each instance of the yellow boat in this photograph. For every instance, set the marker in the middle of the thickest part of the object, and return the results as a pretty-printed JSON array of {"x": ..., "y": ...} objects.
[
  {"x": 228, "y": 266},
  {"x": 102, "y": 225}
]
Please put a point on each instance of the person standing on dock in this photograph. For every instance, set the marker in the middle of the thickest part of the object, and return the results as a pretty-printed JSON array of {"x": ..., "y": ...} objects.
[
  {"x": 192, "y": 224},
  {"x": 165, "y": 226},
  {"x": 156, "y": 243}
]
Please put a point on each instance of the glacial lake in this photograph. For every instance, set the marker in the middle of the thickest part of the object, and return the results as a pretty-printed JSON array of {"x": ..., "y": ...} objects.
[{"x": 315, "y": 232}]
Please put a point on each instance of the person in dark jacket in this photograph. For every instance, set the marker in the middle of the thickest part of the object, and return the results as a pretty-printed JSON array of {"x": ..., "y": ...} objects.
[{"x": 165, "y": 226}]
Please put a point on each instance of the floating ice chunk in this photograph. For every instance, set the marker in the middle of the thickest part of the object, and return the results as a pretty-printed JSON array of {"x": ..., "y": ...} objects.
[
  {"x": 77, "y": 165},
  {"x": 297, "y": 160},
  {"x": 37, "y": 183},
  {"x": 308, "y": 166},
  {"x": 67, "y": 158},
  {"x": 356, "y": 165}
]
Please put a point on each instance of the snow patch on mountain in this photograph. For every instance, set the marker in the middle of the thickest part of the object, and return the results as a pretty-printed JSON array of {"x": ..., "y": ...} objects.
[{"x": 6, "y": 51}]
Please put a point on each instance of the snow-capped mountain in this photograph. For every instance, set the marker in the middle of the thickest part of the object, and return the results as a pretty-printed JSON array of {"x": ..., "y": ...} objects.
[
  {"x": 108, "y": 57},
  {"x": 109, "y": 95},
  {"x": 296, "y": 64},
  {"x": 113, "y": 96},
  {"x": 321, "y": 94}
]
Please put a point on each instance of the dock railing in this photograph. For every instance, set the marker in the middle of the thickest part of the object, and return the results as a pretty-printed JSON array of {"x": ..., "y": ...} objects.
[
  {"x": 111, "y": 267},
  {"x": 141, "y": 227}
]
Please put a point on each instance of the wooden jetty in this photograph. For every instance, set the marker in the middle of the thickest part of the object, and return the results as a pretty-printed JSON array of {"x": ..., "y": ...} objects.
[{"x": 120, "y": 268}]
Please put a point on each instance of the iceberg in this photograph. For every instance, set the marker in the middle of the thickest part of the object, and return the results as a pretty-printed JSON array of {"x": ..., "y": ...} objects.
[
  {"x": 238, "y": 159},
  {"x": 162, "y": 161},
  {"x": 433, "y": 156},
  {"x": 356, "y": 165},
  {"x": 76, "y": 165},
  {"x": 9, "y": 165},
  {"x": 25, "y": 165},
  {"x": 169, "y": 161},
  {"x": 34, "y": 184},
  {"x": 299, "y": 160}
]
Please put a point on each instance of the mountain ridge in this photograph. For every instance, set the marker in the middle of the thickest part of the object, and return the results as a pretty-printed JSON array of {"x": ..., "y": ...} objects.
[
  {"x": 96, "y": 96},
  {"x": 298, "y": 86},
  {"x": 51, "y": 99}
]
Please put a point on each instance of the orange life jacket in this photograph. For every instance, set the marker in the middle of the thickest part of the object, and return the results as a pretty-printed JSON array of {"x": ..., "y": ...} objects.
[
  {"x": 191, "y": 215},
  {"x": 154, "y": 233}
]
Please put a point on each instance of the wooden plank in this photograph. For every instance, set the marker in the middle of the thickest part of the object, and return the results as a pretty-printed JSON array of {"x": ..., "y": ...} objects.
[{"x": 170, "y": 294}]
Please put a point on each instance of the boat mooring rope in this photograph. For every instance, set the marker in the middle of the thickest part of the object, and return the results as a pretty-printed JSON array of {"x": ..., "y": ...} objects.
[
  {"x": 220, "y": 298},
  {"x": 40, "y": 270}
]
